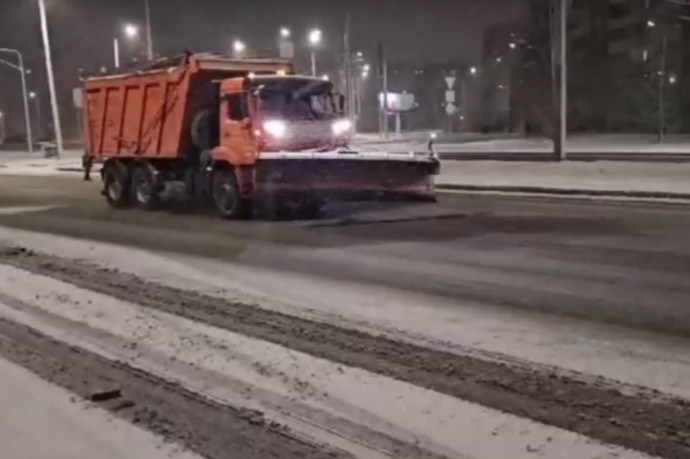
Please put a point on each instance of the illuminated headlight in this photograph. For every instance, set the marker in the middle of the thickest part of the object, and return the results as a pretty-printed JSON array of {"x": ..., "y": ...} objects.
[
  {"x": 341, "y": 127},
  {"x": 275, "y": 128}
]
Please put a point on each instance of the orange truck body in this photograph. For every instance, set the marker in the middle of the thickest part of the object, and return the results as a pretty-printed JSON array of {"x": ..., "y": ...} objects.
[
  {"x": 149, "y": 114},
  {"x": 272, "y": 131}
]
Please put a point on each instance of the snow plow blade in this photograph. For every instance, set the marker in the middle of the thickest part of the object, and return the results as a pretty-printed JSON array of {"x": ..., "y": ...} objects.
[{"x": 348, "y": 174}]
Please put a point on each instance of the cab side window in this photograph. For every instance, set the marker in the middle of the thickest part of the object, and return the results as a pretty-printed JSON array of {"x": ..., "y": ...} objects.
[{"x": 237, "y": 107}]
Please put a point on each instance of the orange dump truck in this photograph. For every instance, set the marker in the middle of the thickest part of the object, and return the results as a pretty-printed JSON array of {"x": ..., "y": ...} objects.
[{"x": 236, "y": 132}]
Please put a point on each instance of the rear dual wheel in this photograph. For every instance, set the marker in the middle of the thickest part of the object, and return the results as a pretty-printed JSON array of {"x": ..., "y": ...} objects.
[{"x": 125, "y": 185}]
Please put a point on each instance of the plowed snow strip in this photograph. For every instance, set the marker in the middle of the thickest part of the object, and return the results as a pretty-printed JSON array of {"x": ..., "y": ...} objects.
[
  {"x": 66, "y": 429},
  {"x": 289, "y": 386}
]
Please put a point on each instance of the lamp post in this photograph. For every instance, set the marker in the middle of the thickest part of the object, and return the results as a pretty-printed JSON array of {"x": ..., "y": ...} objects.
[
  {"x": 149, "y": 32},
  {"x": 22, "y": 72},
  {"x": 130, "y": 32},
  {"x": 286, "y": 47},
  {"x": 315, "y": 38},
  {"x": 37, "y": 112},
  {"x": 51, "y": 78}
]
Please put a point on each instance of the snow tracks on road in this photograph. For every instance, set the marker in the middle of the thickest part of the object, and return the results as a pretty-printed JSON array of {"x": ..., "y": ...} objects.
[{"x": 216, "y": 375}]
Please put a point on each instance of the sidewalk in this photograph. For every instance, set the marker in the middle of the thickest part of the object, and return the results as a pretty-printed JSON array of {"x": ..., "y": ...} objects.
[
  {"x": 601, "y": 178},
  {"x": 511, "y": 147},
  {"x": 25, "y": 163}
]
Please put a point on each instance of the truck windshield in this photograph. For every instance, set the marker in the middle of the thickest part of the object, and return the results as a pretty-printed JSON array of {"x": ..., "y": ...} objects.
[{"x": 298, "y": 100}]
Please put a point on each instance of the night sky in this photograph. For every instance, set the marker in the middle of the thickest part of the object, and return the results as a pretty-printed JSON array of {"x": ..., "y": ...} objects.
[{"x": 424, "y": 31}]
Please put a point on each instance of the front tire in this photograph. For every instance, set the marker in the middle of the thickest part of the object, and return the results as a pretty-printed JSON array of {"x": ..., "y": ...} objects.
[
  {"x": 116, "y": 185},
  {"x": 227, "y": 198}
]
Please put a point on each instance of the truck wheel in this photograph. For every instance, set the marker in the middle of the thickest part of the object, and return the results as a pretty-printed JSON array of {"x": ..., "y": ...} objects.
[
  {"x": 226, "y": 196},
  {"x": 144, "y": 189},
  {"x": 116, "y": 185}
]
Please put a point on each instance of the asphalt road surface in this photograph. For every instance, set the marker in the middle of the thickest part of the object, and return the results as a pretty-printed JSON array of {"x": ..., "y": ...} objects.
[
  {"x": 609, "y": 261},
  {"x": 618, "y": 267}
]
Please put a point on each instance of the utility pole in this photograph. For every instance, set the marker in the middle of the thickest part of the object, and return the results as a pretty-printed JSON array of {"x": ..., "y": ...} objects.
[
  {"x": 27, "y": 115},
  {"x": 149, "y": 32},
  {"x": 116, "y": 52},
  {"x": 564, "y": 81},
  {"x": 662, "y": 87},
  {"x": 383, "y": 74},
  {"x": 51, "y": 78},
  {"x": 3, "y": 133},
  {"x": 348, "y": 70}
]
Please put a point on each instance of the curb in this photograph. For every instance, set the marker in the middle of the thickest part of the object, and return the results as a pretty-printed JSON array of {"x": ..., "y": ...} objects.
[{"x": 566, "y": 191}]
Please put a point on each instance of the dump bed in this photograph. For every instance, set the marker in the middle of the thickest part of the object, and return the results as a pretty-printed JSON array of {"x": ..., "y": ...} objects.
[{"x": 148, "y": 112}]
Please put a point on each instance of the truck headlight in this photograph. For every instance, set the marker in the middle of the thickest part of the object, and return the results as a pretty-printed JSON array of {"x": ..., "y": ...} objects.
[
  {"x": 276, "y": 128},
  {"x": 341, "y": 127}
]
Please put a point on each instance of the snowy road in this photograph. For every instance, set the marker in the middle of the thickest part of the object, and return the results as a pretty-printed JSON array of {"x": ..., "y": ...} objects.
[{"x": 535, "y": 318}]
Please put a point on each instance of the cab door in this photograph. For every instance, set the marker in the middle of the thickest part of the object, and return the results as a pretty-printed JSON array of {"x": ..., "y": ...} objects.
[{"x": 237, "y": 138}]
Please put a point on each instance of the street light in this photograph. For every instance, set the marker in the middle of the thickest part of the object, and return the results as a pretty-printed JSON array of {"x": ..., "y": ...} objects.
[
  {"x": 130, "y": 32},
  {"x": 23, "y": 72},
  {"x": 473, "y": 70},
  {"x": 651, "y": 23},
  {"x": 315, "y": 38},
  {"x": 51, "y": 77},
  {"x": 285, "y": 32},
  {"x": 239, "y": 48}
]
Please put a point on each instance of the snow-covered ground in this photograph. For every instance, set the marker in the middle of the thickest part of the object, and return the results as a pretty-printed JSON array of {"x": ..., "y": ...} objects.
[
  {"x": 25, "y": 163},
  {"x": 67, "y": 429},
  {"x": 506, "y": 143},
  {"x": 355, "y": 409},
  {"x": 585, "y": 176}
]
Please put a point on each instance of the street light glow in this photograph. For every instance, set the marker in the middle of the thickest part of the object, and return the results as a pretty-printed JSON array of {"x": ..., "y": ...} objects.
[
  {"x": 285, "y": 32},
  {"x": 315, "y": 37},
  {"x": 325, "y": 77},
  {"x": 651, "y": 23},
  {"x": 672, "y": 79},
  {"x": 512, "y": 45},
  {"x": 473, "y": 70},
  {"x": 32, "y": 95},
  {"x": 366, "y": 68},
  {"x": 239, "y": 47},
  {"x": 131, "y": 31}
]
